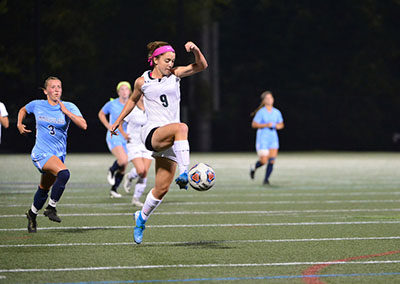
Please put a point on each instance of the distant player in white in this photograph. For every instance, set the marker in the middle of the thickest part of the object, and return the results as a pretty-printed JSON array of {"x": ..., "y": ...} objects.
[
  {"x": 137, "y": 152},
  {"x": 3, "y": 117},
  {"x": 163, "y": 134}
]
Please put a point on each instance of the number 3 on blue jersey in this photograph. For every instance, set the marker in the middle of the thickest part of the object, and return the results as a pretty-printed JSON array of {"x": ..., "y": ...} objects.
[{"x": 52, "y": 129}]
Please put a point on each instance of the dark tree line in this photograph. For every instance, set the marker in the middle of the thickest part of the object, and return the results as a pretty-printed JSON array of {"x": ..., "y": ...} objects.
[{"x": 333, "y": 66}]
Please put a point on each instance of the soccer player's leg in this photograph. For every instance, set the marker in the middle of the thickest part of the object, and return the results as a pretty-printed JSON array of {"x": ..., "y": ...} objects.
[{"x": 118, "y": 168}]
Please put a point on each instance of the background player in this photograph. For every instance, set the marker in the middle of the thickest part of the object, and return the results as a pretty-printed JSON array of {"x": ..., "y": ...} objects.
[
  {"x": 137, "y": 152},
  {"x": 53, "y": 117},
  {"x": 116, "y": 144},
  {"x": 3, "y": 118},
  {"x": 267, "y": 121},
  {"x": 163, "y": 133}
]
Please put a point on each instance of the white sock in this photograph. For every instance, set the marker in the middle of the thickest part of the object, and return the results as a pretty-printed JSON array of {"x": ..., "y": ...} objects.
[
  {"x": 52, "y": 203},
  {"x": 181, "y": 149},
  {"x": 132, "y": 174},
  {"x": 150, "y": 205},
  {"x": 34, "y": 210},
  {"x": 140, "y": 187}
]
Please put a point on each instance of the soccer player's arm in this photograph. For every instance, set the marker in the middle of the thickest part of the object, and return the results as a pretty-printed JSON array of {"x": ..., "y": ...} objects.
[
  {"x": 21, "y": 116},
  {"x": 280, "y": 126},
  {"x": 4, "y": 121},
  {"x": 199, "y": 64},
  {"x": 103, "y": 118},
  {"x": 75, "y": 117},
  {"x": 129, "y": 105}
]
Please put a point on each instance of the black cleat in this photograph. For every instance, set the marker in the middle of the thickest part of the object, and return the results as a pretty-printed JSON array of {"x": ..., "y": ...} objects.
[
  {"x": 266, "y": 182},
  {"x": 51, "y": 213},
  {"x": 252, "y": 171},
  {"x": 31, "y": 221}
]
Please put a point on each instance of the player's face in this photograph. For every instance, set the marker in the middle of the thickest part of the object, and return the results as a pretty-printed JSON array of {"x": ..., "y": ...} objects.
[
  {"x": 124, "y": 92},
  {"x": 269, "y": 100},
  {"x": 53, "y": 90},
  {"x": 165, "y": 63}
]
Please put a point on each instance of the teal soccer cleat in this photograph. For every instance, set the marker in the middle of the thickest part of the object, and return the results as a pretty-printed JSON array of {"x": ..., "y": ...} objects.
[
  {"x": 139, "y": 228},
  {"x": 182, "y": 180}
]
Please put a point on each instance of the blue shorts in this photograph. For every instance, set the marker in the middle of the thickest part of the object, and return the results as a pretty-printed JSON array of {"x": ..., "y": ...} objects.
[
  {"x": 116, "y": 140},
  {"x": 267, "y": 144},
  {"x": 40, "y": 159}
]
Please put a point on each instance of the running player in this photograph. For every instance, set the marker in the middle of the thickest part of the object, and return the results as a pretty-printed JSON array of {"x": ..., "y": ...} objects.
[
  {"x": 267, "y": 121},
  {"x": 53, "y": 117},
  {"x": 117, "y": 144},
  {"x": 137, "y": 152},
  {"x": 163, "y": 133}
]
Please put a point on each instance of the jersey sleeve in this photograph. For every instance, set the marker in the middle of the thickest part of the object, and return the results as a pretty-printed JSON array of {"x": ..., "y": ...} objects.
[
  {"x": 30, "y": 107},
  {"x": 106, "y": 108},
  {"x": 73, "y": 108},
  {"x": 3, "y": 110},
  {"x": 258, "y": 117},
  {"x": 280, "y": 117}
]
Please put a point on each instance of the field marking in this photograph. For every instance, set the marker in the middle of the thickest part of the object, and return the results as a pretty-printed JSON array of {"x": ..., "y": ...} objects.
[
  {"x": 232, "y": 278},
  {"x": 182, "y": 203},
  {"x": 238, "y": 225},
  {"x": 275, "y": 212},
  {"x": 212, "y": 265},
  {"x": 313, "y": 270},
  {"x": 207, "y": 242}
]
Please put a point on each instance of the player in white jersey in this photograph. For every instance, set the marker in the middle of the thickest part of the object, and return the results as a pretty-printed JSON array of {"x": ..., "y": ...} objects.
[
  {"x": 137, "y": 152},
  {"x": 3, "y": 117},
  {"x": 163, "y": 133}
]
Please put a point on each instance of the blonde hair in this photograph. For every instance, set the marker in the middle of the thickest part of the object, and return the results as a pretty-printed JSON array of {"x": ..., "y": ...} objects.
[
  {"x": 46, "y": 82},
  {"x": 263, "y": 95}
]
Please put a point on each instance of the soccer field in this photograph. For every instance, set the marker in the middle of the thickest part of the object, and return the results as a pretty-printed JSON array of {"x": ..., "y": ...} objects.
[{"x": 327, "y": 217}]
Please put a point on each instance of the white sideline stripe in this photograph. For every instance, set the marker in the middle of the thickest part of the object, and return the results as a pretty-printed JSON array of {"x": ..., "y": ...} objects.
[
  {"x": 193, "y": 266},
  {"x": 206, "y": 242},
  {"x": 181, "y": 203},
  {"x": 220, "y": 212},
  {"x": 210, "y": 225}
]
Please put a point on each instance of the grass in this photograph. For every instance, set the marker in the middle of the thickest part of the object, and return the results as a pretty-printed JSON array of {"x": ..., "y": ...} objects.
[{"x": 320, "y": 207}]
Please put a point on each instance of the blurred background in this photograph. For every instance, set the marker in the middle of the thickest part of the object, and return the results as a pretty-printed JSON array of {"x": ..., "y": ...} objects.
[{"x": 333, "y": 66}]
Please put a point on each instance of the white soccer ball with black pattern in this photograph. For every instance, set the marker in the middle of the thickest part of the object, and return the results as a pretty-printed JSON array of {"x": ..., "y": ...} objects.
[{"x": 201, "y": 177}]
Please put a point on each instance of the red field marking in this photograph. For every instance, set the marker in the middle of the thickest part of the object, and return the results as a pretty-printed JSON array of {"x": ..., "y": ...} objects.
[{"x": 313, "y": 270}]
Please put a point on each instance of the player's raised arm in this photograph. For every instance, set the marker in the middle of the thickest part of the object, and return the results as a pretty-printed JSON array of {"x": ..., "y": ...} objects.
[
  {"x": 199, "y": 65},
  {"x": 130, "y": 104}
]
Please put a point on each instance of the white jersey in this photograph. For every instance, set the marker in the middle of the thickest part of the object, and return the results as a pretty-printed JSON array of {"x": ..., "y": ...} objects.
[
  {"x": 161, "y": 99},
  {"x": 135, "y": 119},
  {"x": 3, "y": 113}
]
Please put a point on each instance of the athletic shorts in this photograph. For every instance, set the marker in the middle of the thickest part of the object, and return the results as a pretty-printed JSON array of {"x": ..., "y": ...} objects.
[
  {"x": 116, "y": 140},
  {"x": 40, "y": 159},
  {"x": 267, "y": 144},
  {"x": 167, "y": 153},
  {"x": 138, "y": 150}
]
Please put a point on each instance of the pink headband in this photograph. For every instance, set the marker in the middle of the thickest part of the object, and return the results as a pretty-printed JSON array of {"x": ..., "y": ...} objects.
[{"x": 160, "y": 50}]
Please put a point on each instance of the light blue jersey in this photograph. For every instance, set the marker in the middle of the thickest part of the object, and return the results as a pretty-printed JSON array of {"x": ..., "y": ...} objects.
[
  {"x": 267, "y": 138},
  {"x": 113, "y": 108},
  {"x": 51, "y": 130}
]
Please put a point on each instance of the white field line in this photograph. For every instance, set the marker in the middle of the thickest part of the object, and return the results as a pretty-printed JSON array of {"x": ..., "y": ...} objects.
[
  {"x": 12, "y": 194},
  {"x": 206, "y": 242},
  {"x": 19, "y": 270},
  {"x": 221, "y": 203},
  {"x": 212, "y": 225},
  {"x": 273, "y": 212}
]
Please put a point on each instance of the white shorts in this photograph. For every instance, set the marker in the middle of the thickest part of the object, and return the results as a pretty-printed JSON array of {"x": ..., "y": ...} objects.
[
  {"x": 167, "y": 153},
  {"x": 138, "y": 150}
]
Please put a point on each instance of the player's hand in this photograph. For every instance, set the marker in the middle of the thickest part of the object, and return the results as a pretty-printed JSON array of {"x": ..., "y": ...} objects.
[
  {"x": 22, "y": 129},
  {"x": 190, "y": 46},
  {"x": 113, "y": 129}
]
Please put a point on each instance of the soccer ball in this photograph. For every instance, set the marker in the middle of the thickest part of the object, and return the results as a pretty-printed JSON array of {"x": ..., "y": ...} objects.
[{"x": 201, "y": 177}]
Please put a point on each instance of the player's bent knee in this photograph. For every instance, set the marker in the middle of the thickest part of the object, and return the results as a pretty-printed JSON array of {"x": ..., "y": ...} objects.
[{"x": 183, "y": 128}]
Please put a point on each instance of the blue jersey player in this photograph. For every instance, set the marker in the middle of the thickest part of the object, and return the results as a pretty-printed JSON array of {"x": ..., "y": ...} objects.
[
  {"x": 267, "y": 121},
  {"x": 52, "y": 117},
  {"x": 116, "y": 144}
]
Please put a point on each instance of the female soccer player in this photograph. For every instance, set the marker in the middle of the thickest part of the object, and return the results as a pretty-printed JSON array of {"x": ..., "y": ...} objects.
[
  {"x": 137, "y": 152},
  {"x": 117, "y": 144},
  {"x": 53, "y": 117},
  {"x": 267, "y": 121},
  {"x": 3, "y": 117},
  {"x": 163, "y": 133}
]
